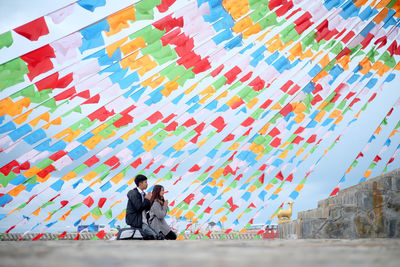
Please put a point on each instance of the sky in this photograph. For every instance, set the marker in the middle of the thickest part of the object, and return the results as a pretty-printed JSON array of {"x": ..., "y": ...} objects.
[{"x": 326, "y": 174}]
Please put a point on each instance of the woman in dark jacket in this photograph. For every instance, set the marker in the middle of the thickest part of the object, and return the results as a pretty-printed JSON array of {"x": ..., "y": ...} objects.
[{"x": 158, "y": 211}]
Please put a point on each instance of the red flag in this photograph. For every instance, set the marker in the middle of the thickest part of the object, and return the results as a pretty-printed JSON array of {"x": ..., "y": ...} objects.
[
  {"x": 112, "y": 161},
  {"x": 34, "y": 29},
  {"x": 286, "y": 110},
  {"x": 257, "y": 84},
  {"x": 195, "y": 168},
  {"x": 57, "y": 155},
  {"x": 217, "y": 70},
  {"x": 393, "y": 48},
  {"x": 101, "y": 114},
  {"x": 382, "y": 40},
  {"x": 238, "y": 177},
  {"x": 9, "y": 229},
  {"x": 246, "y": 77},
  {"x": 125, "y": 120},
  {"x": 156, "y": 116},
  {"x": 180, "y": 178},
  {"x": 262, "y": 168},
  {"x": 174, "y": 168},
  {"x": 219, "y": 124},
  {"x": 189, "y": 198},
  {"x": 230, "y": 201},
  {"x": 286, "y": 86},
  {"x": 168, "y": 23},
  {"x": 164, "y": 5},
  {"x": 136, "y": 163},
  {"x": 261, "y": 178},
  {"x": 199, "y": 128},
  {"x": 159, "y": 169},
  {"x": 297, "y": 140},
  {"x": 54, "y": 197},
  {"x": 209, "y": 234},
  {"x": 30, "y": 199},
  {"x": 101, "y": 202},
  {"x": 93, "y": 100},
  {"x": 201, "y": 201},
  {"x": 171, "y": 127},
  {"x": 209, "y": 168},
  {"x": 6, "y": 169},
  {"x": 63, "y": 203},
  {"x": 63, "y": 235},
  {"x": 168, "y": 37},
  {"x": 377, "y": 158},
  {"x": 249, "y": 121},
  {"x": 289, "y": 178},
  {"x": 93, "y": 160},
  {"x": 334, "y": 192},
  {"x": 101, "y": 234},
  {"x": 367, "y": 40},
  {"x": 88, "y": 201},
  {"x": 299, "y": 130},
  {"x": 37, "y": 237},
  {"x": 312, "y": 139},
  {"x": 274, "y": 132},
  {"x": 227, "y": 170},
  {"x": 190, "y": 122},
  {"x": 232, "y": 74},
  {"x": 170, "y": 117},
  {"x": 280, "y": 176},
  {"x": 39, "y": 61},
  {"x": 276, "y": 142},
  {"x": 228, "y": 138},
  {"x": 150, "y": 163},
  {"x": 360, "y": 155},
  {"x": 207, "y": 210},
  {"x": 84, "y": 94},
  {"x": 43, "y": 173}
]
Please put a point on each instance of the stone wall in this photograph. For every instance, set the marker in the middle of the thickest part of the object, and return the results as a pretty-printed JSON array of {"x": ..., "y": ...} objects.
[{"x": 367, "y": 210}]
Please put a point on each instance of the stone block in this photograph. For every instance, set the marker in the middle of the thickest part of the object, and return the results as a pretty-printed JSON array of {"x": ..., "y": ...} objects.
[
  {"x": 309, "y": 227},
  {"x": 315, "y": 213},
  {"x": 289, "y": 230},
  {"x": 393, "y": 229},
  {"x": 396, "y": 183},
  {"x": 336, "y": 229}
]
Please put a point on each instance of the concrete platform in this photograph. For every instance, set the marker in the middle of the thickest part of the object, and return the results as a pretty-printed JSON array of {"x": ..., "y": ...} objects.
[{"x": 191, "y": 253}]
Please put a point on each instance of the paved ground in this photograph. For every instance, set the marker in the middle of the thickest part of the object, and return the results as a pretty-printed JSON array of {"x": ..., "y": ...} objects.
[{"x": 191, "y": 253}]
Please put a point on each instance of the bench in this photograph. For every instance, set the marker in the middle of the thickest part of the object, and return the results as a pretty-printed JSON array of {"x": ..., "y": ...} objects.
[{"x": 130, "y": 234}]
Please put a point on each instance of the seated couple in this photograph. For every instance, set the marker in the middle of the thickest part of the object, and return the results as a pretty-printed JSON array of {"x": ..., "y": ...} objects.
[{"x": 139, "y": 203}]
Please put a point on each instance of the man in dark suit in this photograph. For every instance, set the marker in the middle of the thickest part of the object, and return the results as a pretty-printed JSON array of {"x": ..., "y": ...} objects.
[{"x": 138, "y": 204}]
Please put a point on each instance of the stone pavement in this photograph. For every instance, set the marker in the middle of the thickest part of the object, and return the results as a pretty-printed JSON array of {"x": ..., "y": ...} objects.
[{"x": 192, "y": 253}]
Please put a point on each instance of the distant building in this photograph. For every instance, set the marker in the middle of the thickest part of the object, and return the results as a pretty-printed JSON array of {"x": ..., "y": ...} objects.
[{"x": 268, "y": 232}]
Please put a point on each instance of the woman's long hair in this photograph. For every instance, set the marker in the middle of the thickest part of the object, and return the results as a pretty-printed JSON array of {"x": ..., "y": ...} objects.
[{"x": 156, "y": 194}]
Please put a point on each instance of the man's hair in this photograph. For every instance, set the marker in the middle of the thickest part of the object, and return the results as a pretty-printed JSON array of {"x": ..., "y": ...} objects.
[{"x": 140, "y": 178}]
